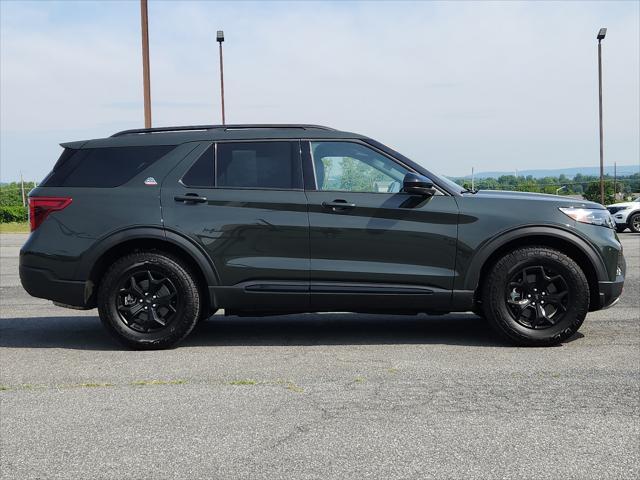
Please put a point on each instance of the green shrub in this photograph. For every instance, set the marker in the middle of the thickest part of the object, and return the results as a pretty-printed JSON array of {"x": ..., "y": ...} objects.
[{"x": 13, "y": 214}]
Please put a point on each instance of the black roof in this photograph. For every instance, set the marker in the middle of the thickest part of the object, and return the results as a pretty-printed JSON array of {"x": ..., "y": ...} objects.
[{"x": 195, "y": 133}]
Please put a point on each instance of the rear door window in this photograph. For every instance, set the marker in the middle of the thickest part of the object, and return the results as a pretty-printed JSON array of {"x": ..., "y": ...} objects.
[
  {"x": 103, "y": 167},
  {"x": 266, "y": 165}
]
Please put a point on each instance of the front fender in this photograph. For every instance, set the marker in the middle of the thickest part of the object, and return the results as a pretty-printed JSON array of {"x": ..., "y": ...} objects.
[{"x": 471, "y": 278}]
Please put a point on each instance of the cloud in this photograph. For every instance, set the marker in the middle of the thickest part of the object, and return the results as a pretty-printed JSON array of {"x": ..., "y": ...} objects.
[{"x": 452, "y": 85}]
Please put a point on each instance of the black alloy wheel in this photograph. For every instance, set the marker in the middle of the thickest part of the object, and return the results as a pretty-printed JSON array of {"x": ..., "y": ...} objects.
[
  {"x": 147, "y": 301},
  {"x": 537, "y": 297}
]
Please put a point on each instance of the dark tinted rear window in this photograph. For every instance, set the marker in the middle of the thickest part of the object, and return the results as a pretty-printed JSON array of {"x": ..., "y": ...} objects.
[
  {"x": 201, "y": 173},
  {"x": 102, "y": 167},
  {"x": 259, "y": 165}
]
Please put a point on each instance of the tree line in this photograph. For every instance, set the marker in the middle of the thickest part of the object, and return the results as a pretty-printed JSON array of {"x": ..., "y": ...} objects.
[{"x": 586, "y": 185}]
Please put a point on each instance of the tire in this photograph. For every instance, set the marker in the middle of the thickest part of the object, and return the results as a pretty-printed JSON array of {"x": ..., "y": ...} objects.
[
  {"x": 536, "y": 296},
  {"x": 620, "y": 228},
  {"x": 634, "y": 222},
  {"x": 127, "y": 307}
]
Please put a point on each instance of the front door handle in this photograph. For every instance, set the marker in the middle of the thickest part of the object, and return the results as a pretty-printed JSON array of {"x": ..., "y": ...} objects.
[
  {"x": 338, "y": 205},
  {"x": 190, "y": 198}
]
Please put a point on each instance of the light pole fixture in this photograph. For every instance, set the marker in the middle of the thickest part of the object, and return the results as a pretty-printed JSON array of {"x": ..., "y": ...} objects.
[
  {"x": 220, "y": 39},
  {"x": 601, "y": 34},
  {"x": 146, "y": 75}
]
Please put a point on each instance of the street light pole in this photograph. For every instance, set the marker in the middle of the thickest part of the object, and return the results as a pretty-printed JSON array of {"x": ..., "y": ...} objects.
[
  {"x": 473, "y": 179},
  {"x": 220, "y": 39},
  {"x": 615, "y": 181},
  {"x": 601, "y": 34},
  {"x": 146, "y": 76}
]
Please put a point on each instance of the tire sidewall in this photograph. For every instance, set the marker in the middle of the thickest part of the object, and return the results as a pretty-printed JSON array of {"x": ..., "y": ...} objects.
[{"x": 631, "y": 218}]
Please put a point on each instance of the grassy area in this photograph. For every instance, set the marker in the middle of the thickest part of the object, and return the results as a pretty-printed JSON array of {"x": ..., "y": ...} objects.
[{"x": 14, "y": 227}]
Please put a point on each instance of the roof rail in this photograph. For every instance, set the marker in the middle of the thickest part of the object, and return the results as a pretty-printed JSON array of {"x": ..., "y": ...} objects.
[{"x": 218, "y": 127}]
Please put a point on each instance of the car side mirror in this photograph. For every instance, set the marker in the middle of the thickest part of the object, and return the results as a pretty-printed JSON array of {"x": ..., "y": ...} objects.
[{"x": 416, "y": 184}]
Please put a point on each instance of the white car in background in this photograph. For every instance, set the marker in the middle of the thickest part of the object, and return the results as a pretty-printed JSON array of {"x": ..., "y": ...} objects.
[{"x": 626, "y": 215}]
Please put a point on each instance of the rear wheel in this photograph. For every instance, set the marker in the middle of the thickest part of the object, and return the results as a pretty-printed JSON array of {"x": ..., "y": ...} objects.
[
  {"x": 634, "y": 222},
  {"x": 149, "y": 300},
  {"x": 536, "y": 296}
]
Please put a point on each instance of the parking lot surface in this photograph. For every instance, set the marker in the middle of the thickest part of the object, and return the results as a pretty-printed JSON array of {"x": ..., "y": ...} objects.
[{"x": 329, "y": 396}]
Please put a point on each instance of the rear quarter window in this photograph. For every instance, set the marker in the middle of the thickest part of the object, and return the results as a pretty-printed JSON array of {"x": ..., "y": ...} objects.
[{"x": 103, "y": 167}]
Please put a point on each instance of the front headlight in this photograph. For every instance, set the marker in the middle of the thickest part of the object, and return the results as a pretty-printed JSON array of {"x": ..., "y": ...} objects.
[{"x": 590, "y": 215}]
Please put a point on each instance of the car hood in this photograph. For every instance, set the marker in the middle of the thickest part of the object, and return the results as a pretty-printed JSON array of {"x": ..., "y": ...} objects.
[
  {"x": 559, "y": 200},
  {"x": 623, "y": 204}
]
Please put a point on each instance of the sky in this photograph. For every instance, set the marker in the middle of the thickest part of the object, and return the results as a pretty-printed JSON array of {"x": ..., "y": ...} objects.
[{"x": 452, "y": 85}]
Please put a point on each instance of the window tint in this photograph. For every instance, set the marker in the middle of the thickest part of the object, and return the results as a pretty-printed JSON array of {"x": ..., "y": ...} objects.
[
  {"x": 102, "y": 167},
  {"x": 201, "y": 173},
  {"x": 352, "y": 167},
  {"x": 259, "y": 165}
]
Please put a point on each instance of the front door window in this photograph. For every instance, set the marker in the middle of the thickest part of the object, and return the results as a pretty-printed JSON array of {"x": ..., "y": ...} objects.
[{"x": 353, "y": 167}]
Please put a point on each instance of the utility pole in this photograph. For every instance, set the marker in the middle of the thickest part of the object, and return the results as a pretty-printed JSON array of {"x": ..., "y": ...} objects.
[
  {"x": 146, "y": 75},
  {"x": 472, "y": 179},
  {"x": 24, "y": 199},
  {"x": 601, "y": 34},
  {"x": 220, "y": 39}
]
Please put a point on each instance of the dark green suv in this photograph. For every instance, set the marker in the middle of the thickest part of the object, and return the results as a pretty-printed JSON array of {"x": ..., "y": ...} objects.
[{"x": 159, "y": 228}]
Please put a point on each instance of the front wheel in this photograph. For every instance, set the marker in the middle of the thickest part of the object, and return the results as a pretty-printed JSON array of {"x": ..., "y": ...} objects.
[
  {"x": 634, "y": 223},
  {"x": 536, "y": 296},
  {"x": 149, "y": 300}
]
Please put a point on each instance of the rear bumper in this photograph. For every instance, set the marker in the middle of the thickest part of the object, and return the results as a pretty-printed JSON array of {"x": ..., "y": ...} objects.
[{"x": 44, "y": 284}]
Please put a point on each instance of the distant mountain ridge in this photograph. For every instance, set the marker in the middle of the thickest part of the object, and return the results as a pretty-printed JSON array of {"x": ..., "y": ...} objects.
[{"x": 569, "y": 172}]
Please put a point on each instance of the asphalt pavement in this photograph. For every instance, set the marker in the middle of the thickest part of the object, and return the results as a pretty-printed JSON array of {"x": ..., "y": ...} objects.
[{"x": 330, "y": 396}]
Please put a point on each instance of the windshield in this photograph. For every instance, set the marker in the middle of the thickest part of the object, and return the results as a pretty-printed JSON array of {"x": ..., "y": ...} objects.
[{"x": 451, "y": 184}]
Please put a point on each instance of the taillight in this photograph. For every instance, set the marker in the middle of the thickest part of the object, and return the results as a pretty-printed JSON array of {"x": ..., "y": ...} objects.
[{"x": 41, "y": 207}]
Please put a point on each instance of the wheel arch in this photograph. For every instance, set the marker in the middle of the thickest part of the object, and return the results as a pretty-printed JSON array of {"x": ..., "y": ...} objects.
[
  {"x": 566, "y": 242},
  {"x": 148, "y": 238}
]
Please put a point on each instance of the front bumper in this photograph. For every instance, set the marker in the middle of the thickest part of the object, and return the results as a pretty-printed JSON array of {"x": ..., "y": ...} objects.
[
  {"x": 610, "y": 292},
  {"x": 621, "y": 217}
]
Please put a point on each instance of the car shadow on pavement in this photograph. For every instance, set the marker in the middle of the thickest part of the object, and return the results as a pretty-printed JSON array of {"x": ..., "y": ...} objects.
[{"x": 86, "y": 333}]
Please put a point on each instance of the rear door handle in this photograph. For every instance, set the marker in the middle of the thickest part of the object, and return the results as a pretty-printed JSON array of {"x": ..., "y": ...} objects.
[
  {"x": 339, "y": 205},
  {"x": 190, "y": 198}
]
